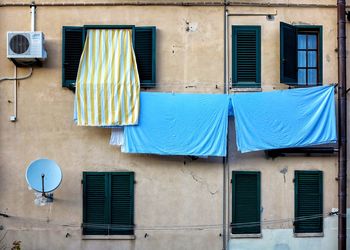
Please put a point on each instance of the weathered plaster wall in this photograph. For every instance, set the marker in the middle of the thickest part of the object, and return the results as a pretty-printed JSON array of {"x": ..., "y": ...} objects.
[
  {"x": 170, "y": 191},
  {"x": 280, "y": 239}
]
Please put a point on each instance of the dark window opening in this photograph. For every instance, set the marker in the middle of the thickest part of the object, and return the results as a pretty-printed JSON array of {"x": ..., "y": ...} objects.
[{"x": 308, "y": 67}]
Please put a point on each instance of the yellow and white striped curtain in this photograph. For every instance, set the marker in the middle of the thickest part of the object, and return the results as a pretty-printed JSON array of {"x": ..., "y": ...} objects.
[{"x": 108, "y": 84}]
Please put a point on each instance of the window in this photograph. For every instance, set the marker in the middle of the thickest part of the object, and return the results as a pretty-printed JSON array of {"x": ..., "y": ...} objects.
[
  {"x": 308, "y": 202},
  {"x": 301, "y": 55},
  {"x": 246, "y": 56},
  {"x": 108, "y": 203},
  {"x": 245, "y": 202},
  {"x": 73, "y": 38}
]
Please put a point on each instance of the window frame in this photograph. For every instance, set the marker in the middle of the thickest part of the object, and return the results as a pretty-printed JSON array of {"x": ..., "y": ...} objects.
[
  {"x": 108, "y": 200},
  {"x": 319, "y": 30},
  {"x": 235, "y": 82},
  {"x": 258, "y": 208},
  {"x": 299, "y": 29},
  {"x": 143, "y": 83}
]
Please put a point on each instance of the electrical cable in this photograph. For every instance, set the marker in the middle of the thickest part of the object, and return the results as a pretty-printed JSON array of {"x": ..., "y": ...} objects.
[
  {"x": 17, "y": 78},
  {"x": 179, "y": 227}
]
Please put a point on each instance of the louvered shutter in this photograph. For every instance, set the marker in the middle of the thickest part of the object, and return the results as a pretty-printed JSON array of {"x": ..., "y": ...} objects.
[
  {"x": 308, "y": 202},
  {"x": 72, "y": 47},
  {"x": 95, "y": 205},
  {"x": 246, "y": 56},
  {"x": 245, "y": 202},
  {"x": 145, "y": 50},
  {"x": 288, "y": 54},
  {"x": 122, "y": 203}
]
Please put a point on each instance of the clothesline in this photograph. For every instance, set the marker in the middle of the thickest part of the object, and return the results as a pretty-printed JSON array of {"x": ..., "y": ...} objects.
[{"x": 185, "y": 124}]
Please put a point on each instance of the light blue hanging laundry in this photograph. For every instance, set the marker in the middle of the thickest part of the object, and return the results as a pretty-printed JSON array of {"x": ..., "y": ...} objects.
[
  {"x": 180, "y": 124},
  {"x": 286, "y": 118}
]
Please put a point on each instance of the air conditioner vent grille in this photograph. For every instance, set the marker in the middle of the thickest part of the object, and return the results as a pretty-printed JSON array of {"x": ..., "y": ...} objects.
[{"x": 19, "y": 44}]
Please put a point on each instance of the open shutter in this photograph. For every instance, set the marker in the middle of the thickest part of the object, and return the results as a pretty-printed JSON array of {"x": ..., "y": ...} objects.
[
  {"x": 122, "y": 203},
  {"x": 288, "y": 54},
  {"x": 72, "y": 47},
  {"x": 145, "y": 50},
  {"x": 95, "y": 205},
  {"x": 245, "y": 202},
  {"x": 308, "y": 202},
  {"x": 246, "y": 56}
]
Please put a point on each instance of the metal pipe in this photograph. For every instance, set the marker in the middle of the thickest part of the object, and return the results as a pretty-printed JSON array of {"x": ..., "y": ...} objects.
[
  {"x": 226, "y": 55},
  {"x": 224, "y": 160},
  {"x": 15, "y": 94},
  {"x": 342, "y": 125},
  {"x": 253, "y": 14},
  {"x": 13, "y": 118},
  {"x": 42, "y": 185},
  {"x": 183, "y": 3},
  {"x": 32, "y": 8}
]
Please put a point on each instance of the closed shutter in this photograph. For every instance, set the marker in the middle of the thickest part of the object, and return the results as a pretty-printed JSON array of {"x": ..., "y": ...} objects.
[
  {"x": 145, "y": 50},
  {"x": 122, "y": 203},
  {"x": 308, "y": 202},
  {"x": 72, "y": 47},
  {"x": 245, "y": 202},
  {"x": 288, "y": 54},
  {"x": 95, "y": 205},
  {"x": 246, "y": 56}
]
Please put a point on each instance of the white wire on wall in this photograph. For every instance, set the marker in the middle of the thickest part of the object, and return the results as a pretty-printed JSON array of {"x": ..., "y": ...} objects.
[
  {"x": 7, "y": 78},
  {"x": 174, "y": 227}
]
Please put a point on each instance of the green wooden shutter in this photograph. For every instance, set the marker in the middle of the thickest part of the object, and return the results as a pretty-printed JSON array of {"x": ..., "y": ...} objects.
[
  {"x": 246, "y": 53},
  {"x": 95, "y": 203},
  {"x": 288, "y": 54},
  {"x": 72, "y": 47},
  {"x": 308, "y": 202},
  {"x": 122, "y": 203},
  {"x": 245, "y": 202},
  {"x": 145, "y": 50}
]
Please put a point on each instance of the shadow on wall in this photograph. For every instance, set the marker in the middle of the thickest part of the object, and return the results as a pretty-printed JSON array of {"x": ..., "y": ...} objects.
[
  {"x": 281, "y": 247},
  {"x": 283, "y": 239}
]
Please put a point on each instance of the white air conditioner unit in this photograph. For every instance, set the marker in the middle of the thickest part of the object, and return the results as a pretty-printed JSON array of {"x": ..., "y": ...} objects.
[{"x": 26, "y": 48}]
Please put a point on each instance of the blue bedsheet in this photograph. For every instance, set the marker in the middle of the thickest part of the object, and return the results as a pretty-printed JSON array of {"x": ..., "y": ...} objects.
[
  {"x": 180, "y": 124},
  {"x": 285, "y": 118}
]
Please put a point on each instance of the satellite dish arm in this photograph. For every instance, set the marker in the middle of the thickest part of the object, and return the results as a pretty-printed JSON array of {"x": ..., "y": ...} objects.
[
  {"x": 49, "y": 197},
  {"x": 42, "y": 184}
]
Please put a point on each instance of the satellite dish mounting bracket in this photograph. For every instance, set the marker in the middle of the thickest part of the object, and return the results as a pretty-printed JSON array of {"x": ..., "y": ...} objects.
[{"x": 48, "y": 196}]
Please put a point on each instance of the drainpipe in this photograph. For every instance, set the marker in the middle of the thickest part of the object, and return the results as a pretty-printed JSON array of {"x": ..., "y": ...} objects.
[
  {"x": 342, "y": 125},
  {"x": 32, "y": 9},
  {"x": 225, "y": 159},
  {"x": 13, "y": 118}
]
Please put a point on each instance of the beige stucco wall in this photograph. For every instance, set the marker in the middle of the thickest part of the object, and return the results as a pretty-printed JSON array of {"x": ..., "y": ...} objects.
[{"x": 170, "y": 191}]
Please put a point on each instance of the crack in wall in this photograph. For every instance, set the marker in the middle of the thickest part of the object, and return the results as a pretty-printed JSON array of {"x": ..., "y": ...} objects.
[{"x": 200, "y": 180}]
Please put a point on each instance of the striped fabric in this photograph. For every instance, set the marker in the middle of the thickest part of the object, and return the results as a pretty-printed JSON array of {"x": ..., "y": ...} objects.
[{"x": 108, "y": 84}]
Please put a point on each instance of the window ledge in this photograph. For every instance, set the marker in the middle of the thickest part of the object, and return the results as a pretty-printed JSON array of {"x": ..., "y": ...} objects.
[
  {"x": 246, "y": 89},
  {"x": 108, "y": 237},
  {"x": 305, "y": 235},
  {"x": 241, "y": 236}
]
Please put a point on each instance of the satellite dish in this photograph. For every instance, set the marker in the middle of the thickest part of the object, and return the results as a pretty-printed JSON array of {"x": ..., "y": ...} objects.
[{"x": 44, "y": 176}]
